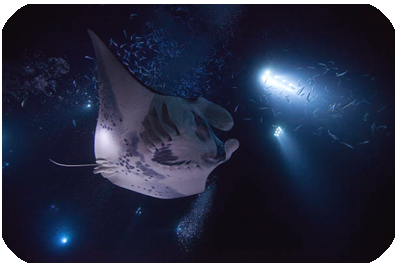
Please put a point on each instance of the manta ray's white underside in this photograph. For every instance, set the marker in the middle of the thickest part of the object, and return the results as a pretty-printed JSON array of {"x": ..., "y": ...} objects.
[{"x": 158, "y": 145}]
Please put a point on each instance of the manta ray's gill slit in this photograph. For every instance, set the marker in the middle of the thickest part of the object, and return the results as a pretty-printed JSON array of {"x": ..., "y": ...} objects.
[
  {"x": 167, "y": 120},
  {"x": 164, "y": 155},
  {"x": 157, "y": 127},
  {"x": 150, "y": 133},
  {"x": 149, "y": 145},
  {"x": 202, "y": 130}
]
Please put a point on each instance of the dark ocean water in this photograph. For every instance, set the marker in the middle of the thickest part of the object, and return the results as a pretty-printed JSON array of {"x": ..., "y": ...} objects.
[{"x": 300, "y": 197}]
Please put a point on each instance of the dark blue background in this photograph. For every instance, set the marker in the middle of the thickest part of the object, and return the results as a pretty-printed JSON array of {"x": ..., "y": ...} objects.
[{"x": 325, "y": 204}]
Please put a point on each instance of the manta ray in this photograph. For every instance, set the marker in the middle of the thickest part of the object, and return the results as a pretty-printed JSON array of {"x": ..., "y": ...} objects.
[{"x": 154, "y": 144}]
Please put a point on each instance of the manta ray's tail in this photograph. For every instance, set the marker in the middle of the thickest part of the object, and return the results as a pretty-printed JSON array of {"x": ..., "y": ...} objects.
[{"x": 64, "y": 165}]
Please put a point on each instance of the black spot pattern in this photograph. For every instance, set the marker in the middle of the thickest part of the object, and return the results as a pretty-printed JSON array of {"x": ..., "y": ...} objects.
[{"x": 148, "y": 171}]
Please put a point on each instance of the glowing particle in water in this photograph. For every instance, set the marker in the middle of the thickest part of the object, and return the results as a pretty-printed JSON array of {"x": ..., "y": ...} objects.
[
  {"x": 54, "y": 207},
  {"x": 138, "y": 212},
  {"x": 191, "y": 225}
]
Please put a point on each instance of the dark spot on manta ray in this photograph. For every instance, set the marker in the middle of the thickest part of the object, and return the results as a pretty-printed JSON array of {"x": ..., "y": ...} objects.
[
  {"x": 133, "y": 139},
  {"x": 148, "y": 171}
]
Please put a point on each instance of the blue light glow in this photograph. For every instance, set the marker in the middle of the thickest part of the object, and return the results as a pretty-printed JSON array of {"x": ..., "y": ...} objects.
[{"x": 64, "y": 240}]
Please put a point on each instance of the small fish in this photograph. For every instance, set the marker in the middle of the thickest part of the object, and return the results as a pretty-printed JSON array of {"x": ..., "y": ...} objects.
[
  {"x": 112, "y": 42},
  {"x": 336, "y": 116},
  {"x": 373, "y": 95},
  {"x": 133, "y": 15},
  {"x": 252, "y": 100},
  {"x": 315, "y": 112},
  {"x": 297, "y": 128},
  {"x": 300, "y": 91},
  {"x": 341, "y": 74},
  {"x": 333, "y": 136},
  {"x": 263, "y": 108},
  {"x": 311, "y": 67},
  {"x": 382, "y": 127},
  {"x": 88, "y": 57},
  {"x": 348, "y": 145},
  {"x": 382, "y": 109},
  {"x": 365, "y": 142},
  {"x": 138, "y": 211},
  {"x": 365, "y": 117},
  {"x": 236, "y": 107},
  {"x": 261, "y": 119},
  {"x": 308, "y": 97},
  {"x": 74, "y": 123},
  {"x": 323, "y": 64},
  {"x": 373, "y": 128},
  {"x": 247, "y": 119},
  {"x": 23, "y": 103},
  {"x": 347, "y": 105},
  {"x": 74, "y": 83}
]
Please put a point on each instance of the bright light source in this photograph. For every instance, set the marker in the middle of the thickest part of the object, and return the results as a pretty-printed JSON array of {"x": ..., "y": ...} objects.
[
  {"x": 290, "y": 84},
  {"x": 267, "y": 73},
  {"x": 64, "y": 240},
  {"x": 277, "y": 132},
  {"x": 264, "y": 78}
]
